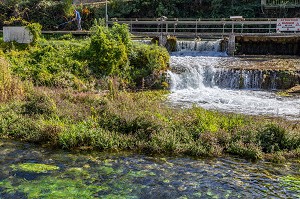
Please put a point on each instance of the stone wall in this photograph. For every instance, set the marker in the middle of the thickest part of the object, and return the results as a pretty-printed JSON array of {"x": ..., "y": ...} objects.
[{"x": 17, "y": 33}]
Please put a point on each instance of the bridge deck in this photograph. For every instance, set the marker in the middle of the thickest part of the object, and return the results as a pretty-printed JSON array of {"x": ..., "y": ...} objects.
[{"x": 189, "y": 28}]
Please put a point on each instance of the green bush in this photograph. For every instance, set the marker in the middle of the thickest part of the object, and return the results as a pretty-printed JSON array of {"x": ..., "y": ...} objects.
[
  {"x": 36, "y": 31},
  {"x": 272, "y": 138},
  {"x": 88, "y": 134},
  {"x": 248, "y": 151},
  {"x": 53, "y": 64},
  {"x": 109, "y": 51},
  {"x": 148, "y": 61}
]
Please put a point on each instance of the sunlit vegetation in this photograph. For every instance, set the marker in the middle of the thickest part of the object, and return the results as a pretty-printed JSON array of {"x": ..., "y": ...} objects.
[
  {"x": 79, "y": 96},
  {"x": 142, "y": 122}
]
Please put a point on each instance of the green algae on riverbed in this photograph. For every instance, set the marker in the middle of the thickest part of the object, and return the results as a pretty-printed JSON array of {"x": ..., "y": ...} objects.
[
  {"x": 292, "y": 183},
  {"x": 49, "y": 187},
  {"x": 34, "y": 167},
  {"x": 128, "y": 175}
]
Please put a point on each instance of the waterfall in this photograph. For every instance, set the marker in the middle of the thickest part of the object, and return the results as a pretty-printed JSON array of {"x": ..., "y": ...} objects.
[
  {"x": 199, "y": 46},
  {"x": 207, "y": 81},
  {"x": 245, "y": 79},
  {"x": 194, "y": 76}
]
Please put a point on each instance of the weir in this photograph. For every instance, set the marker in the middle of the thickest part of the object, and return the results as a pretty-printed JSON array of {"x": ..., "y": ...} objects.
[{"x": 201, "y": 74}]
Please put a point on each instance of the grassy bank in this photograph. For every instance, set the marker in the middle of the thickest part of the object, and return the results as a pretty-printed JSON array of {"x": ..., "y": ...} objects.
[{"x": 142, "y": 122}]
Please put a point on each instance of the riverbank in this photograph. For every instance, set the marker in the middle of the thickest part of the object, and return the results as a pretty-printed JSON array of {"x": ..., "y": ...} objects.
[{"x": 142, "y": 121}]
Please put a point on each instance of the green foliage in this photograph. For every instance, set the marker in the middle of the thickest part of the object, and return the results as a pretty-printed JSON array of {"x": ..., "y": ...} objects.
[
  {"x": 14, "y": 125},
  {"x": 39, "y": 103},
  {"x": 109, "y": 49},
  {"x": 56, "y": 63},
  {"x": 141, "y": 122},
  {"x": 36, "y": 31},
  {"x": 13, "y": 21},
  {"x": 46, "y": 12},
  {"x": 248, "y": 151},
  {"x": 272, "y": 138},
  {"x": 82, "y": 135},
  {"x": 147, "y": 60}
]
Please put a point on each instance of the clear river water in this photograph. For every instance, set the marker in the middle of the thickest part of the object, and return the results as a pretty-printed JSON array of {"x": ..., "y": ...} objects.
[{"x": 127, "y": 175}]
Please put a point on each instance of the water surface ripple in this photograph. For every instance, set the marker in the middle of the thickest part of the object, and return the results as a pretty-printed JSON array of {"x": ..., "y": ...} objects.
[{"x": 123, "y": 175}]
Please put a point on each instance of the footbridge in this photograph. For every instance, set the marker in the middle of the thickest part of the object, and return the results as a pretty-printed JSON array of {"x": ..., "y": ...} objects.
[
  {"x": 193, "y": 28},
  {"x": 204, "y": 28},
  {"x": 239, "y": 35},
  {"x": 249, "y": 34}
]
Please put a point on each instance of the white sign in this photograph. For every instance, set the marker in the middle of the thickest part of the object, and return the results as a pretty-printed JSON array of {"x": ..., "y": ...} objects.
[
  {"x": 17, "y": 33},
  {"x": 288, "y": 24}
]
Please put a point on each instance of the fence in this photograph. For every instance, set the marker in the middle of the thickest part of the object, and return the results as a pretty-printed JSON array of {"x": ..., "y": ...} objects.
[
  {"x": 197, "y": 27},
  {"x": 283, "y": 2}
]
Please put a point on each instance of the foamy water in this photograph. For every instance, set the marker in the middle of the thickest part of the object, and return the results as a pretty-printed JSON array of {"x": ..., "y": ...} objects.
[{"x": 193, "y": 80}]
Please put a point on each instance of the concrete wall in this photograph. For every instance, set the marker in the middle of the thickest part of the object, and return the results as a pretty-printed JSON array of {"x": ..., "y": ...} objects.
[
  {"x": 264, "y": 45},
  {"x": 17, "y": 33}
]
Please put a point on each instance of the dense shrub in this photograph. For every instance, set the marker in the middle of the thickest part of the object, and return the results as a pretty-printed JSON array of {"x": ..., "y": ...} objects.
[
  {"x": 139, "y": 121},
  {"x": 109, "y": 51},
  {"x": 272, "y": 138},
  {"x": 55, "y": 64},
  {"x": 112, "y": 53},
  {"x": 148, "y": 62},
  {"x": 48, "y": 13}
]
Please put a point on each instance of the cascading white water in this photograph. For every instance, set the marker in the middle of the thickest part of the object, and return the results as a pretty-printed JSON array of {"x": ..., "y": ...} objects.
[
  {"x": 203, "y": 79},
  {"x": 203, "y": 46}
]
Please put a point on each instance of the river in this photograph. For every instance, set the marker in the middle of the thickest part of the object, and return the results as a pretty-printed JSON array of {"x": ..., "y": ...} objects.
[{"x": 127, "y": 175}]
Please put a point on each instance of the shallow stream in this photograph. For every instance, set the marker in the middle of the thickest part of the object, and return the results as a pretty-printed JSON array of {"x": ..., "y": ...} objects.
[{"x": 33, "y": 172}]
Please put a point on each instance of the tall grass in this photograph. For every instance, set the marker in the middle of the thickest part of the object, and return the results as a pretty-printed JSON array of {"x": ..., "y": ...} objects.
[
  {"x": 143, "y": 122},
  {"x": 10, "y": 87}
]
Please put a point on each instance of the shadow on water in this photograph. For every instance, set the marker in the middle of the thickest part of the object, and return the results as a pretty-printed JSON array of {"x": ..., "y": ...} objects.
[{"x": 30, "y": 172}]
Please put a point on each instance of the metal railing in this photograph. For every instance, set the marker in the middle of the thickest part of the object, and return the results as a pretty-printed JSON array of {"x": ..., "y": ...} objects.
[
  {"x": 282, "y": 2},
  {"x": 199, "y": 27}
]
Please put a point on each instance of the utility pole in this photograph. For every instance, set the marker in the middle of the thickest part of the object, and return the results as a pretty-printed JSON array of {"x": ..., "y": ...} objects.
[{"x": 106, "y": 15}]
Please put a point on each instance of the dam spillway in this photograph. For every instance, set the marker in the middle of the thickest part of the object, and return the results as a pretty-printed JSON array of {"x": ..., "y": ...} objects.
[{"x": 246, "y": 85}]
